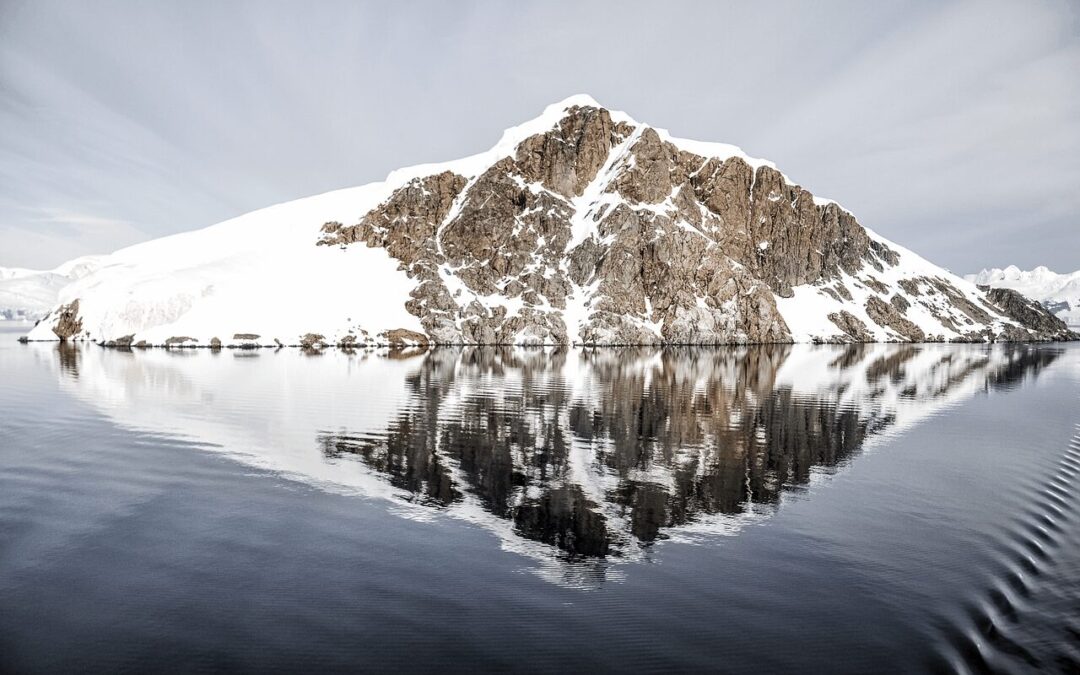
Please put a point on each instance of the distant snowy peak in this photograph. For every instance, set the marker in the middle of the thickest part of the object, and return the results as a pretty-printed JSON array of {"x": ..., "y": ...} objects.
[
  {"x": 1041, "y": 276},
  {"x": 29, "y": 294},
  {"x": 581, "y": 226},
  {"x": 1060, "y": 293}
]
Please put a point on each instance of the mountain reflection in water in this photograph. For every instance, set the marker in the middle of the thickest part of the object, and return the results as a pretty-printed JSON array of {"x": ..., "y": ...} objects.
[
  {"x": 575, "y": 458},
  {"x": 662, "y": 440}
]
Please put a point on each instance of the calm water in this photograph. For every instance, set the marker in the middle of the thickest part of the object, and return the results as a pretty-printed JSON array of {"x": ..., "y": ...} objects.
[{"x": 771, "y": 509}]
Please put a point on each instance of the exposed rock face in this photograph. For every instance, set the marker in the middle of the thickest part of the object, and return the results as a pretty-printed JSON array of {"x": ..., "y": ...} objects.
[
  {"x": 312, "y": 341},
  {"x": 68, "y": 323},
  {"x": 851, "y": 327},
  {"x": 565, "y": 160},
  {"x": 887, "y": 315},
  {"x": 180, "y": 340},
  {"x": 673, "y": 247},
  {"x": 122, "y": 342},
  {"x": 1036, "y": 319},
  {"x": 405, "y": 338},
  {"x": 637, "y": 241}
]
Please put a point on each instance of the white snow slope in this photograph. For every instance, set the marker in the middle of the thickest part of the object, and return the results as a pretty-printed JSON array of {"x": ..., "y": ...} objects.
[
  {"x": 262, "y": 274},
  {"x": 1060, "y": 293},
  {"x": 30, "y": 294}
]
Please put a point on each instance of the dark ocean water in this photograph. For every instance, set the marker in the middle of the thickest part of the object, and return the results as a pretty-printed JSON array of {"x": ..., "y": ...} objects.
[{"x": 879, "y": 508}]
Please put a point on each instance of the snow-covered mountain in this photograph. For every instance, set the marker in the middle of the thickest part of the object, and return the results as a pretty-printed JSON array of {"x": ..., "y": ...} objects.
[
  {"x": 1060, "y": 293},
  {"x": 30, "y": 294},
  {"x": 582, "y": 225}
]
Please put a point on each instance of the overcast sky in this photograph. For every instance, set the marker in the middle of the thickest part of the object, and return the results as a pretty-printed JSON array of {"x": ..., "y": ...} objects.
[{"x": 951, "y": 128}]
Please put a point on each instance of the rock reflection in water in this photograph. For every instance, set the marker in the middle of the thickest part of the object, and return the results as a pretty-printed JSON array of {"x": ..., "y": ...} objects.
[{"x": 601, "y": 453}]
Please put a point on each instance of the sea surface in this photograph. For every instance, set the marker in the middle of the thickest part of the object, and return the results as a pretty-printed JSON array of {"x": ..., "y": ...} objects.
[{"x": 781, "y": 509}]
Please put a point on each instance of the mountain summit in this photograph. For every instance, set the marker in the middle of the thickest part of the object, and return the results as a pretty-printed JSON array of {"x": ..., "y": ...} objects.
[{"x": 580, "y": 226}]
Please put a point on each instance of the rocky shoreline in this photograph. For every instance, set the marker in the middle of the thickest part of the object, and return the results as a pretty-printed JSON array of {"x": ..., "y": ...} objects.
[{"x": 315, "y": 342}]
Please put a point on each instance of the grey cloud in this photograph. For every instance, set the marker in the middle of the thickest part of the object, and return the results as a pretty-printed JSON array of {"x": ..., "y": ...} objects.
[{"x": 952, "y": 128}]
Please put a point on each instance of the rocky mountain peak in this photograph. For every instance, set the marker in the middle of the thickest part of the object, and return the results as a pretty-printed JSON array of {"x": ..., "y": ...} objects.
[{"x": 614, "y": 224}]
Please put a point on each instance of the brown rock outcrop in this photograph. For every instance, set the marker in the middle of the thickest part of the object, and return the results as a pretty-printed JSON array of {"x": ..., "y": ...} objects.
[
  {"x": 179, "y": 341},
  {"x": 68, "y": 323},
  {"x": 401, "y": 337},
  {"x": 1030, "y": 314},
  {"x": 567, "y": 158},
  {"x": 851, "y": 326},
  {"x": 886, "y": 315},
  {"x": 312, "y": 341}
]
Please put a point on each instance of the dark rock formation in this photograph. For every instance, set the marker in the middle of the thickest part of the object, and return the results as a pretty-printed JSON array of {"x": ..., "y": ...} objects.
[
  {"x": 68, "y": 323},
  {"x": 691, "y": 250},
  {"x": 886, "y": 315},
  {"x": 401, "y": 337},
  {"x": 851, "y": 326},
  {"x": 179, "y": 340},
  {"x": 1029, "y": 314},
  {"x": 312, "y": 341}
]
